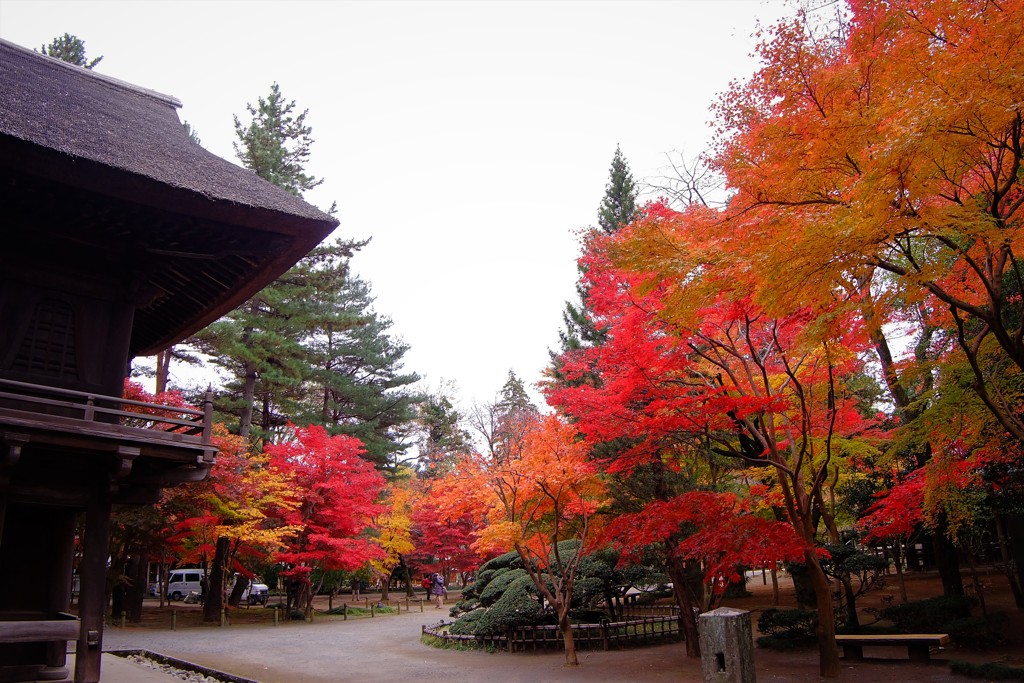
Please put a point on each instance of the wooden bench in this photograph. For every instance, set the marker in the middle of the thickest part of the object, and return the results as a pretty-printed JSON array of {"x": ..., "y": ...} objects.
[{"x": 917, "y": 644}]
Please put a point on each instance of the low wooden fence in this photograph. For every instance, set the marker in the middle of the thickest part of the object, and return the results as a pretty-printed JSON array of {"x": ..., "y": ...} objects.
[
  {"x": 634, "y": 610},
  {"x": 632, "y": 632}
]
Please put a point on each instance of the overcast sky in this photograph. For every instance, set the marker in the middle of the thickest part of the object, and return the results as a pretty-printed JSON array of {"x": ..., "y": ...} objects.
[{"x": 470, "y": 140}]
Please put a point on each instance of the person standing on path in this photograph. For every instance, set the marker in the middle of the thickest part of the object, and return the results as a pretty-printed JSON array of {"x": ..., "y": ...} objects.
[{"x": 438, "y": 590}]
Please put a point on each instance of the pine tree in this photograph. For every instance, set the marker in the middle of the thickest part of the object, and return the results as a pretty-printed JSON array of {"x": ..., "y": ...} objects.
[
  {"x": 276, "y": 143},
  {"x": 70, "y": 49},
  {"x": 516, "y": 416},
  {"x": 442, "y": 439},
  {"x": 259, "y": 343},
  {"x": 355, "y": 384},
  {"x": 617, "y": 209}
]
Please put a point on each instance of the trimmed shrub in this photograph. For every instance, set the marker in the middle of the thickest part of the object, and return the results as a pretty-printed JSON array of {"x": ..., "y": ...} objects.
[
  {"x": 786, "y": 629},
  {"x": 991, "y": 671},
  {"x": 468, "y": 623},
  {"x": 931, "y": 615},
  {"x": 501, "y": 580},
  {"x": 977, "y": 631},
  {"x": 518, "y": 606}
]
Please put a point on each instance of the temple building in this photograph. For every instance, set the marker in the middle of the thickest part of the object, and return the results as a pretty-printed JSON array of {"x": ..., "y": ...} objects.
[{"x": 119, "y": 236}]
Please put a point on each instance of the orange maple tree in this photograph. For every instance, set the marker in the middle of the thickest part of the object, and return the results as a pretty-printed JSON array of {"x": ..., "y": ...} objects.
[{"x": 533, "y": 498}]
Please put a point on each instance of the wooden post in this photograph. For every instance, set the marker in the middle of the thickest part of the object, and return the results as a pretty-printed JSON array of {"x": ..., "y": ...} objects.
[
  {"x": 208, "y": 415},
  {"x": 371, "y": 608},
  {"x": 174, "y": 620},
  {"x": 275, "y": 616},
  {"x": 93, "y": 578},
  {"x": 421, "y": 604},
  {"x": 223, "y": 616}
]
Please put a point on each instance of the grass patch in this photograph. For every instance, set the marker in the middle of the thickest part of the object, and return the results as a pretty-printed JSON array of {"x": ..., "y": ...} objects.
[{"x": 360, "y": 611}]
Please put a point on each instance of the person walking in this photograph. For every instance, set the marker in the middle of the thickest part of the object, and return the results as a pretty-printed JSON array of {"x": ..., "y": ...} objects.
[{"x": 438, "y": 590}]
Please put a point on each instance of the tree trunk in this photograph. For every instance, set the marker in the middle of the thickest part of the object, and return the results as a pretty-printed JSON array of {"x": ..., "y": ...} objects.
[
  {"x": 235, "y": 599},
  {"x": 136, "y": 592},
  {"x": 248, "y": 396},
  {"x": 978, "y": 590},
  {"x": 213, "y": 596},
  {"x": 687, "y": 613},
  {"x": 947, "y": 561},
  {"x": 567, "y": 638},
  {"x": 1012, "y": 542},
  {"x": 775, "y": 586},
  {"x": 306, "y": 596},
  {"x": 803, "y": 587},
  {"x": 409, "y": 593},
  {"x": 897, "y": 560},
  {"x": 828, "y": 652},
  {"x": 852, "y": 620},
  {"x": 163, "y": 370},
  {"x": 609, "y": 601}
]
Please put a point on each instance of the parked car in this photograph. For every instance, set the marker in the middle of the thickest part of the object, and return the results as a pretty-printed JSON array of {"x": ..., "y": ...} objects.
[{"x": 181, "y": 582}]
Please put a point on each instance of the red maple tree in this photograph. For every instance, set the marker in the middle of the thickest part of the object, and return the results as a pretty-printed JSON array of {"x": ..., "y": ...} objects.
[{"x": 337, "y": 492}]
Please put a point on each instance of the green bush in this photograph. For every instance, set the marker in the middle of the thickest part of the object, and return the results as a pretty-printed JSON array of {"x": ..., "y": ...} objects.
[
  {"x": 976, "y": 631},
  {"x": 931, "y": 615},
  {"x": 499, "y": 582},
  {"x": 785, "y": 643},
  {"x": 518, "y": 606},
  {"x": 788, "y": 623},
  {"x": 468, "y": 623},
  {"x": 991, "y": 671},
  {"x": 651, "y": 597},
  {"x": 786, "y": 629}
]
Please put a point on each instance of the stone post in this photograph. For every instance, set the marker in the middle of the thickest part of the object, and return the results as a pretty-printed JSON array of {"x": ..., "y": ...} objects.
[{"x": 726, "y": 646}]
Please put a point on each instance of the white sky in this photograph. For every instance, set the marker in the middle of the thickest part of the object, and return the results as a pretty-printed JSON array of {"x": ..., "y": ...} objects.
[{"x": 470, "y": 140}]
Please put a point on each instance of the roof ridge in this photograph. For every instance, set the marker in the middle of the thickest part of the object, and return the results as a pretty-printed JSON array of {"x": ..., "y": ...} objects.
[{"x": 88, "y": 73}]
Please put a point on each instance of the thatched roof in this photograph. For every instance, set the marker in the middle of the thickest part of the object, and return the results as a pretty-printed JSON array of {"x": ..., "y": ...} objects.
[{"x": 102, "y": 177}]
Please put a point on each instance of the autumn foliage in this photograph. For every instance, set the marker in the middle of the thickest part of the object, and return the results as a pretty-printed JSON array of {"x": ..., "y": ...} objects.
[{"x": 336, "y": 491}]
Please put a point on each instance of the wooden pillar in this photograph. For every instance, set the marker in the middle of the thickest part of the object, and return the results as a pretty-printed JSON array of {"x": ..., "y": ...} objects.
[
  {"x": 60, "y": 587},
  {"x": 92, "y": 598}
]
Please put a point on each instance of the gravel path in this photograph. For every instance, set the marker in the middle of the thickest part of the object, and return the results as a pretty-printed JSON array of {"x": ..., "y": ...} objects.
[{"x": 387, "y": 648}]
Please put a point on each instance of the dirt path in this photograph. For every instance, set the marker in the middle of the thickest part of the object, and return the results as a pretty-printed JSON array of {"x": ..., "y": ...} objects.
[{"x": 388, "y": 648}]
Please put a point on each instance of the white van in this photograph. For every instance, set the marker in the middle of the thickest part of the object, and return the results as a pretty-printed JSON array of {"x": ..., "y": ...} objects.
[{"x": 181, "y": 582}]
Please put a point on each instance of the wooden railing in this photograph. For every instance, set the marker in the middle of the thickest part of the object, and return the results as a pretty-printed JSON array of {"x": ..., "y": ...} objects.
[
  {"x": 603, "y": 635},
  {"x": 108, "y": 409},
  {"x": 27, "y": 627}
]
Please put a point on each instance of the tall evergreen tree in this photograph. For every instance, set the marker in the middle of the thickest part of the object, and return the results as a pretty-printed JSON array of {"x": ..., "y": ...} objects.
[
  {"x": 355, "y": 383},
  {"x": 259, "y": 343},
  {"x": 71, "y": 49},
  {"x": 617, "y": 209},
  {"x": 442, "y": 437},
  {"x": 513, "y": 396},
  {"x": 276, "y": 143}
]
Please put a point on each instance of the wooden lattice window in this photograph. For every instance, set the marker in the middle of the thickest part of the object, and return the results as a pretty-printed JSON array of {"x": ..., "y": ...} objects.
[{"x": 48, "y": 347}]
